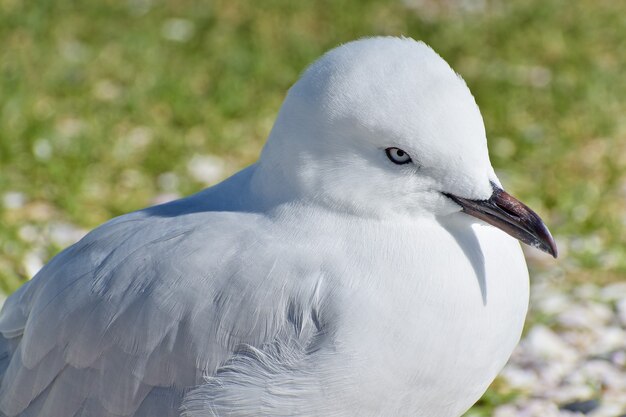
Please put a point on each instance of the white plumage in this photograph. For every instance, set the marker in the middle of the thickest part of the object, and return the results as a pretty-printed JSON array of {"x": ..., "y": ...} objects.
[{"x": 324, "y": 280}]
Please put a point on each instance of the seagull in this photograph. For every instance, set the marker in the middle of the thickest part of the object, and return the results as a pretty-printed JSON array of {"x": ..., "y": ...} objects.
[{"x": 367, "y": 265}]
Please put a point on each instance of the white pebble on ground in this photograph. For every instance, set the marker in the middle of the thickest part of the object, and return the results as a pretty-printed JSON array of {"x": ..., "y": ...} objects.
[{"x": 575, "y": 358}]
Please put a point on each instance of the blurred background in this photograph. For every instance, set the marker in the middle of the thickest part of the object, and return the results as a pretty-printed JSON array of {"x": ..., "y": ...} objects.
[{"x": 109, "y": 106}]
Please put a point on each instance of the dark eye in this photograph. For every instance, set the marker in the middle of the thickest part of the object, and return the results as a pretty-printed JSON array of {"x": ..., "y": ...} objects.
[{"x": 398, "y": 156}]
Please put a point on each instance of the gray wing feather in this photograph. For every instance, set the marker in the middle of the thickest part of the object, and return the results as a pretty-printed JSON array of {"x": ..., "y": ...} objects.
[
  {"x": 281, "y": 379},
  {"x": 142, "y": 308}
]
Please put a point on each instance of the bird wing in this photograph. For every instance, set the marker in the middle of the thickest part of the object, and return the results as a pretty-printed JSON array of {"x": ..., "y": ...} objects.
[{"x": 143, "y": 307}]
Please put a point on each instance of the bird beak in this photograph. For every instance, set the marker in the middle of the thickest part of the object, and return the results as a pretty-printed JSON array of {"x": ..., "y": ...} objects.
[{"x": 512, "y": 216}]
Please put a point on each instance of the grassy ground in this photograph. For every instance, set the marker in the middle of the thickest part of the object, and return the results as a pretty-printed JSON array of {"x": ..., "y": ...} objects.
[{"x": 103, "y": 105}]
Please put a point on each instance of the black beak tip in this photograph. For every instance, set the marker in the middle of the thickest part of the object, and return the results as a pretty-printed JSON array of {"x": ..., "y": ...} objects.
[
  {"x": 548, "y": 245},
  {"x": 538, "y": 234}
]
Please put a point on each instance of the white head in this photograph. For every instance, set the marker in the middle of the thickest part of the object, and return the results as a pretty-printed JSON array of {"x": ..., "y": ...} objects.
[
  {"x": 343, "y": 122},
  {"x": 330, "y": 139}
]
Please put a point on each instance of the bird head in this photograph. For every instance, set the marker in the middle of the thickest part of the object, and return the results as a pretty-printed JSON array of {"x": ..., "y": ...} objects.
[{"x": 384, "y": 127}]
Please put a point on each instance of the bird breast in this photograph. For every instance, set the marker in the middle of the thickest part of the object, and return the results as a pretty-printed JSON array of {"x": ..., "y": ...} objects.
[{"x": 431, "y": 316}]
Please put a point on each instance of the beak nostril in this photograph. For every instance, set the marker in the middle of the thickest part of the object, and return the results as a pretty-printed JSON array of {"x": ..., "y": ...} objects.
[
  {"x": 508, "y": 204},
  {"x": 510, "y": 208}
]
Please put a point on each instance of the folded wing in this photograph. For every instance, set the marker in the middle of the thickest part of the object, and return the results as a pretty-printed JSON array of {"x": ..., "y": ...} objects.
[{"x": 141, "y": 309}]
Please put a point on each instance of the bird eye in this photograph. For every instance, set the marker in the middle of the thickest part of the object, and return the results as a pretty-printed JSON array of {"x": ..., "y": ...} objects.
[{"x": 398, "y": 156}]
